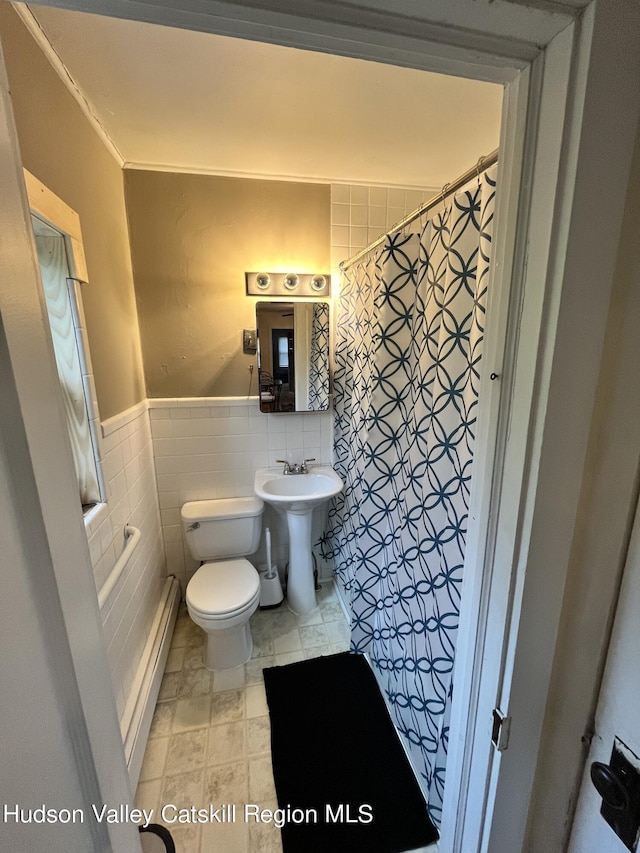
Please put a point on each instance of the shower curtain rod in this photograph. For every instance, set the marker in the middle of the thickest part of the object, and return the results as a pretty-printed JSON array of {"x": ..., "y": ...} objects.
[{"x": 482, "y": 164}]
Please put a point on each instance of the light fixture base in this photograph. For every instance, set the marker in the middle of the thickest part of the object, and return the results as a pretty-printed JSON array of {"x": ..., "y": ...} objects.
[{"x": 289, "y": 284}]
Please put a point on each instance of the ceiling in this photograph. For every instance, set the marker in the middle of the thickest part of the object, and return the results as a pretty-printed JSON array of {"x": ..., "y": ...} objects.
[{"x": 180, "y": 100}]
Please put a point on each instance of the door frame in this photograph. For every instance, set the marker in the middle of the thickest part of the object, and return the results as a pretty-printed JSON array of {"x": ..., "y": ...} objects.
[
  {"x": 558, "y": 118},
  {"x": 63, "y": 584}
]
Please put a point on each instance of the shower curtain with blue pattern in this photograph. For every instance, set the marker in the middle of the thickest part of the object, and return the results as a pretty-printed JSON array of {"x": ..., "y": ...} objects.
[
  {"x": 409, "y": 338},
  {"x": 319, "y": 359}
]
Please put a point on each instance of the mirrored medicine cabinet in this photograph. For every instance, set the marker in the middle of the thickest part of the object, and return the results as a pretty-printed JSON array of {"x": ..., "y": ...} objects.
[{"x": 293, "y": 356}]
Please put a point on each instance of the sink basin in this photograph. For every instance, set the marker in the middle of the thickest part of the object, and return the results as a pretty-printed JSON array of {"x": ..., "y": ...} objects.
[
  {"x": 297, "y": 495},
  {"x": 297, "y": 492}
]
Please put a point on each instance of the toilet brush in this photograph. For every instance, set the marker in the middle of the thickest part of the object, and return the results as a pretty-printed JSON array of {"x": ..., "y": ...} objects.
[
  {"x": 270, "y": 587},
  {"x": 271, "y": 573}
]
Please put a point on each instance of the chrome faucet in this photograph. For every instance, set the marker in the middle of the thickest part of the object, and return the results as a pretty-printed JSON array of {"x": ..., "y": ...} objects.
[{"x": 295, "y": 469}]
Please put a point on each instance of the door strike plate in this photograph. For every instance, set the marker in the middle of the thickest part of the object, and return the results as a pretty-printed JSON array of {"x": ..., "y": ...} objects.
[{"x": 500, "y": 730}]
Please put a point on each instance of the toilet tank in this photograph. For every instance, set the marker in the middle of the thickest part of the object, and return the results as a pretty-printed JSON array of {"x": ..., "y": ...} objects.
[{"x": 224, "y": 528}]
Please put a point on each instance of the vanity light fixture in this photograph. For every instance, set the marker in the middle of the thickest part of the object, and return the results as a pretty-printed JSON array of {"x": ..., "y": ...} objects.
[
  {"x": 291, "y": 281},
  {"x": 290, "y": 284}
]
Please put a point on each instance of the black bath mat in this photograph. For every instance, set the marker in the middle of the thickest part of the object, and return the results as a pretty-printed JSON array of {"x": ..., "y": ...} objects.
[{"x": 337, "y": 759}]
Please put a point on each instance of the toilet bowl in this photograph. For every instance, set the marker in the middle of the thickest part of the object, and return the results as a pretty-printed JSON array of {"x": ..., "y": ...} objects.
[{"x": 224, "y": 592}]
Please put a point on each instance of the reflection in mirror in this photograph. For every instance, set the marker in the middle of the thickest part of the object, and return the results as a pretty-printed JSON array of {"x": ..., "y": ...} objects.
[{"x": 293, "y": 356}]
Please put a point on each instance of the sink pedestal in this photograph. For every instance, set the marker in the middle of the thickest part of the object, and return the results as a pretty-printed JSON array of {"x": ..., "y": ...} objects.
[
  {"x": 296, "y": 495},
  {"x": 301, "y": 591}
]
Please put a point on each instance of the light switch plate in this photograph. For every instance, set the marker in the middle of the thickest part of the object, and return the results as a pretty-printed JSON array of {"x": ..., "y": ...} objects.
[{"x": 249, "y": 341}]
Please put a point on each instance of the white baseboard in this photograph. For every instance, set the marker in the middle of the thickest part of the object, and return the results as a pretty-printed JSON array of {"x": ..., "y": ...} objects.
[{"x": 136, "y": 720}]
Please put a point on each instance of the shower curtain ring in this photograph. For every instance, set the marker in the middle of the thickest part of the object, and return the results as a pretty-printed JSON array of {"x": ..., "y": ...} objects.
[
  {"x": 479, "y": 167},
  {"x": 444, "y": 192}
]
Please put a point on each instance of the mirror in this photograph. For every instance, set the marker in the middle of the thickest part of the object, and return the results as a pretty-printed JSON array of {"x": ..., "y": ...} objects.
[{"x": 293, "y": 356}]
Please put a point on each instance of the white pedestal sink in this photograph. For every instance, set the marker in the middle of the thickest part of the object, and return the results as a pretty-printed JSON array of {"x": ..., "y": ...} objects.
[{"x": 297, "y": 495}]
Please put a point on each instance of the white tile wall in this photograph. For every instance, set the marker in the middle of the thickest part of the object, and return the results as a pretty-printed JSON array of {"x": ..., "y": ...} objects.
[
  {"x": 126, "y": 458},
  {"x": 210, "y": 447},
  {"x": 360, "y": 214}
]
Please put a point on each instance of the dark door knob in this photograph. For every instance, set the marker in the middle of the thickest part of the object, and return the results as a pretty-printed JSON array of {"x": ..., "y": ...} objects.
[{"x": 610, "y": 785}]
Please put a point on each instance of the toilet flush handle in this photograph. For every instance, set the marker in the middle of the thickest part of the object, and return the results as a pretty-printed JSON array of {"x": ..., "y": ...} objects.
[{"x": 194, "y": 526}]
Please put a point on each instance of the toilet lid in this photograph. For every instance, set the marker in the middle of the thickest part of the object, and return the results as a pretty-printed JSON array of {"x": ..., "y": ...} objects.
[{"x": 223, "y": 587}]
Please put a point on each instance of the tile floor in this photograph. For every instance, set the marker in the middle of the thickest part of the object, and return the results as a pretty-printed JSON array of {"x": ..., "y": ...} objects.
[{"x": 210, "y": 739}]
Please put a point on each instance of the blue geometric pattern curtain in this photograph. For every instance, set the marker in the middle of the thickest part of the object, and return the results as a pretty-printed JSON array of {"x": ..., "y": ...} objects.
[
  {"x": 410, "y": 330},
  {"x": 319, "y": 359}
]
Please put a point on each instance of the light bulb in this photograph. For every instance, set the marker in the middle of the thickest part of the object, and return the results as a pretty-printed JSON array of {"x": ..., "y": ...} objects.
[{"x": 291, "y": 281}]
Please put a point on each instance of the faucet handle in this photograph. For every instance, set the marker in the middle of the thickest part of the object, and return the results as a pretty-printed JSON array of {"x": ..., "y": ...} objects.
[
  {"x": 287, "y": 467},
  {"x": 303, "y": 467}
]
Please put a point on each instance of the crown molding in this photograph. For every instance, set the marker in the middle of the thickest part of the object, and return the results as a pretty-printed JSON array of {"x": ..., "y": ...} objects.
[
  {"x": 266, "y": 176},
  {"x": 32, "y": 24}
]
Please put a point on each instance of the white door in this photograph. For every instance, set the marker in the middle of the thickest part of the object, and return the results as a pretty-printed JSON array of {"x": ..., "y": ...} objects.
[{"x": 618, "y": 714}]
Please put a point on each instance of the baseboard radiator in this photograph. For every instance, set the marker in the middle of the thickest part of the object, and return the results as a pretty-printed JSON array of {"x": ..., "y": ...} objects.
[{"x": 136, "y": 720}]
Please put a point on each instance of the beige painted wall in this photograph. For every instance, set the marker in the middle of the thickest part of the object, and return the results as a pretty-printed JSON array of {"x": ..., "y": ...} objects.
[
  {"x": 192, "y": 239},
  {"x": 59, "y": 146}
]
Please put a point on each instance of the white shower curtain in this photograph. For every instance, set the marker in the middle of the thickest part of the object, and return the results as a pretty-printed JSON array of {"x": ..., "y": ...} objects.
[
  {"x": 408, "y": 351},
  {"x": 54, "y": 272}
]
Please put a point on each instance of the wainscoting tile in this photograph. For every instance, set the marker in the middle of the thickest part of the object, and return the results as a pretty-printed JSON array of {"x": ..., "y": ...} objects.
[{"x": 206, "y": 449}]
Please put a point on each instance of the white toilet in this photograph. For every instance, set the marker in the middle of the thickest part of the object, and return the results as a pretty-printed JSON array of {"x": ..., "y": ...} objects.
[{"x": 225, "y": 591}]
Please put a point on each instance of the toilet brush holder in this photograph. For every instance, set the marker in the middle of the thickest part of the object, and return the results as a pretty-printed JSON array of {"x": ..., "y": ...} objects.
[{"x": 271, "y": 594}]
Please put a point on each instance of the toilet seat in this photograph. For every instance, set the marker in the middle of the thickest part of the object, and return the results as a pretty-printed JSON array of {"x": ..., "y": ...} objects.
[{"x": 225, "y": 589}]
